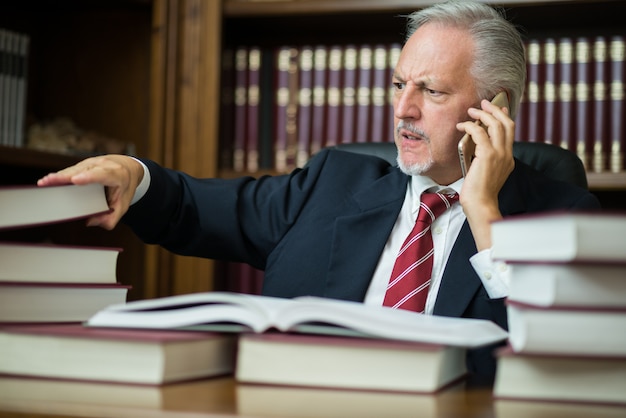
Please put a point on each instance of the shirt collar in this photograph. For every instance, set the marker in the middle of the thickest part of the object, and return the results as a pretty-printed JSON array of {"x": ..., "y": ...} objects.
[{"x": 419, "y": 184}]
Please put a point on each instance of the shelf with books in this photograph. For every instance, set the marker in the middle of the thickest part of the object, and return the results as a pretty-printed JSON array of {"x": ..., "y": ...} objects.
[
  {"x": 89, "y": 64},
  {"x": 267, "y": 25}
]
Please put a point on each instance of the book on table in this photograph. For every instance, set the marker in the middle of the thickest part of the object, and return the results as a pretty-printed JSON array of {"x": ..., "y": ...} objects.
[
  {"x": 523, "y": 408},
  {"x": 72, "y": 351},
  {"x": 294, "y": 402},
  {"x": 550, "y": 377},
  {"x": 73, "y": 397},
  {"x": 229, "y": 311},
  {"x": 560, "y": 237},
  {"x": 347, "y": 363},
  {"x": 48, "y": 263},
  {"x": 22, "y": 302},
  {"x": 567, "y": 330},
  {"x": 569, "y": 284},
  {"x": 30, "y": 205}
]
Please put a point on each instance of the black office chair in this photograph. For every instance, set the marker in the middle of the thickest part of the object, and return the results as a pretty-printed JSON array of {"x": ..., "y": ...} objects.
[{"x": 553, "y": 161}]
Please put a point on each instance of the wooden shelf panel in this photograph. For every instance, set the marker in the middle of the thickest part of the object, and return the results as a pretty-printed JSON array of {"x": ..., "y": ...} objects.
[
  {"x": 240, "y": 8},
  {"x": 28, "y": 158}
]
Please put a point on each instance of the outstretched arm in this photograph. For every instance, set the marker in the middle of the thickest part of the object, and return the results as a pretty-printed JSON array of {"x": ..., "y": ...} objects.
[{"x": 120, "y": 174}]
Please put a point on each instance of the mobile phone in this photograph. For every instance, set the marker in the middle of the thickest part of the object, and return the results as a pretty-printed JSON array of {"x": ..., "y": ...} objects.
[{"x": 467, "y": 146}]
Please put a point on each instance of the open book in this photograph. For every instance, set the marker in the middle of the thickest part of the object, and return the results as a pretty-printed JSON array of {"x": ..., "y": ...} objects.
[{"x": 236, "y": 312}]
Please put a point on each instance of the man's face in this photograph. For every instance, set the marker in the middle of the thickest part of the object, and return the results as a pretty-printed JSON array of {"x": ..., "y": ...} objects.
[{"x": 434, "y": 89}]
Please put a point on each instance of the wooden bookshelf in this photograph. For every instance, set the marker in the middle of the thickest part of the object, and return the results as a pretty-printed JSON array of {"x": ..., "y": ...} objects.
[{"x": 297, "y": 22}]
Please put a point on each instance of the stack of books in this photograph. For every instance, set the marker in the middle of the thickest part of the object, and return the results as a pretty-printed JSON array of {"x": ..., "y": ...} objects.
[
  {"x": 46, "y": 282},
  {"x": 319, "y": 342},
  {"x": 47, "y": 292},
  {"x": 566, "y": 307}
]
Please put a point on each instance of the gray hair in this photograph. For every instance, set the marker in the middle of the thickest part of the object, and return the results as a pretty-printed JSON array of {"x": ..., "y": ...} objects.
[{"x": 499, "y": 60}]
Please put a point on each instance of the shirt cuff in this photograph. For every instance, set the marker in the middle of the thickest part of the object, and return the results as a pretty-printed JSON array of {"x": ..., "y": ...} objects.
[
  {"x": 143, "y": 186},
  {"x": 495, "y": 275}
]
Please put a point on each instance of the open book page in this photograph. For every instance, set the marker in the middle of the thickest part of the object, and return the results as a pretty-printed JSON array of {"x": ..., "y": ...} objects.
[
  {"x": 224, "y": 311},
  {"x": 357, "y": 319}
]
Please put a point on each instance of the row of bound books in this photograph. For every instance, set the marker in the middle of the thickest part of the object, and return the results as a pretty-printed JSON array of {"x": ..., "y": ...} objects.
[
  {"x": 280, "y": 106},
  {"x": 14, "y": 49},
  {"x": 566, "y": 308},
  {"x": 575, "y": 98}
]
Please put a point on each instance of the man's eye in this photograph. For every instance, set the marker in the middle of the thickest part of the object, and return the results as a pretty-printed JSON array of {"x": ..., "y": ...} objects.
[{"x": 399, "y": 86}]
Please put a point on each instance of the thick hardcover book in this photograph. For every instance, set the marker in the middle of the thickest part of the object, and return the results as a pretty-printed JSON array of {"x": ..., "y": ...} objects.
[
  {"x": 286, "y": 108},
  {"x": 600, "y": 138},
  {"x": 583, "y": 98},
  {"x": 50, "y": 263},
  {"x": 22, "y": 302},
  {"x": 569, "y": 284},
  {"x": 560, "y": 237},
  {"x": 549, "y": 92},
  {"x": 394, "y": 55},
  {"x": 333, "y": 113},
  {"x": 617, "y": 50},
  {"x": 347, "y": 363},
  {"x": 561, "y": 378},
  {"x": 319, "y": 103},
  {"x": 70, "y": 397},
  {"x": 130, "y": 356},
  {"x": 241, "y": 109},
  {"x": 566, "y": 90},
  {"x": 534, "y": 94},
  {"x": 364, "y": 94},
  {"x": 567, "y": 330},
  {"x": 348, "y": 93},
  {"x": 301, "y": 402},
  {"x": 380, "y": 83},
  {"x": 22, "y": 206},
  {"x": 253, "y": 313},
  {"x": 252, "y": 113},
  {"x": 305, "y": 98}
]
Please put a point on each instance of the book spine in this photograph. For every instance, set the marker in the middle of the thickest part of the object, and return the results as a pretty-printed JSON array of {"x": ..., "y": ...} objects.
[
  {"x": 318, "y": 122},
  {"x": 600, "y": 138},
  {"x": 305, "y": 94},
  {"x": 582, "y": 94},
  {"x": 566, "y": 92},
  {"x": 333, "y": 98},
  {"x": 550, "y": 113},
  {"x": 380, "y": 81},
  {"x": 22, "y": 82},
  {"x": 363, "y": 94},
  {"x": 534, "y": 90},
  {"x": 285, "y": 125},
  {"x": 252, "y": 113},
  {"x": 393, "y": 56},
  {"x": 348, "y": 93},
  {"x": 617, "y": 48},
  {"x": 266, "y": 108},
  {"x": 241, "y": 98}
]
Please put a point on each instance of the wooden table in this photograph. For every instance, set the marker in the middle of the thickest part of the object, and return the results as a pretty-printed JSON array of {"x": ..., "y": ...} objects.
[{"x": 223, "y": 397}]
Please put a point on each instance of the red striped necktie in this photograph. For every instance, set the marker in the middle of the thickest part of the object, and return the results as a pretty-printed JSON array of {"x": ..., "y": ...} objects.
[{"x": 410, "y": 278}]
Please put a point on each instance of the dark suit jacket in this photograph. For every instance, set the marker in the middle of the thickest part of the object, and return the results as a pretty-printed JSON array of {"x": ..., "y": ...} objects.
[{"x": 320, "y": 230}]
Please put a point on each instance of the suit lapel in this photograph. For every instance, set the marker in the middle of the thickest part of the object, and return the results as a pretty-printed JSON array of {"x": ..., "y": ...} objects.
[{"x": 359, "y": 238}]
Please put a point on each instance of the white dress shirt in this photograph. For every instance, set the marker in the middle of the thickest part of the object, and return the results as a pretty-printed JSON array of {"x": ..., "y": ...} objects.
[{"x": 445, "y": 229}]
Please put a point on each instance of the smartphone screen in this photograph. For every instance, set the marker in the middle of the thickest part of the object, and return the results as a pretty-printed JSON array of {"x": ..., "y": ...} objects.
[{"x": 467, "y": 146}]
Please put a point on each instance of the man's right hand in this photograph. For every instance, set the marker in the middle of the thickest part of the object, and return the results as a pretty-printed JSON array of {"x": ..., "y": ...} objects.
[{"x": 120, "y": 174}]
